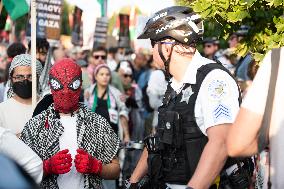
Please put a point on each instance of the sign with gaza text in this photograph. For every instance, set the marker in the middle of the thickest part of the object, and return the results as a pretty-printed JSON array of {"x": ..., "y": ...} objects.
[{"x": 48, "y": 19}]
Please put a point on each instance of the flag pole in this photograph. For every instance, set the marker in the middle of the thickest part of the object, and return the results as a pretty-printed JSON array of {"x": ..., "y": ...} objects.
[
  {"x": 1, "y": 6},
  {"x": 33, "y": 52}
]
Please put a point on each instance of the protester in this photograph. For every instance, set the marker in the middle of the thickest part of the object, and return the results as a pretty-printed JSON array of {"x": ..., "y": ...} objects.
[
  {"x": 42, "y": 47},
  {"x": 105, "y": 100},
  {"x": 156, "y": 89},
  {"x": 136, "y": 123},
  {"x": 13, "y": 50},
  {"x": 58, "y": 53},
  {"x": 243, "y": 136},
  {"x": 99, "y": 56},
  {"x": 13, "y": 147},
  {"x": 111, "y": 62},
  {"x": 139, "y": 65},
  {"x": 68, "y": 132},
  {"x": 19, "y": 101}
]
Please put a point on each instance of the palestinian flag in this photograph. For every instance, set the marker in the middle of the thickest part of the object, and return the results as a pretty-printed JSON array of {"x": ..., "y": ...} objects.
[{"x": 16, "y": 8}]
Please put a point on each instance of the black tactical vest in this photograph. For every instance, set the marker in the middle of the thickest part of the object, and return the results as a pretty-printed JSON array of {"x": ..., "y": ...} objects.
[{"x": 181, "y": 140}]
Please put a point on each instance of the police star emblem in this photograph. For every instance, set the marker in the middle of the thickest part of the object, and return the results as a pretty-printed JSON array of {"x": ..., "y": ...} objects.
[{"x": 186, "y": 94}]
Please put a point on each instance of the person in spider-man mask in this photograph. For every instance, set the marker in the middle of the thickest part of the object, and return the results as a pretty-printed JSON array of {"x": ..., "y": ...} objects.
[{"x": 78, "y": 147}]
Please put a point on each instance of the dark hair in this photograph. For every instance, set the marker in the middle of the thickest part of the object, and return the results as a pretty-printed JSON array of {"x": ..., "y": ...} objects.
[
  {"x": 41, "y": 44},
  {"x": 16, "y": 49},
  {"x": 252, "y": 69},
  {"x": 100, "y": 48},
  {"x": 112, "y": 50}
]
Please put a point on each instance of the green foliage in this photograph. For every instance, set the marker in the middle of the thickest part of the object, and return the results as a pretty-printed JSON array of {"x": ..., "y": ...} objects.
[{"x": 265, "y": 18}]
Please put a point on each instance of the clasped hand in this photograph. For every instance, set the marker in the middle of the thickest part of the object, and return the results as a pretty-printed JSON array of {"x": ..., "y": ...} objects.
[{"x": 61, "y": 163}]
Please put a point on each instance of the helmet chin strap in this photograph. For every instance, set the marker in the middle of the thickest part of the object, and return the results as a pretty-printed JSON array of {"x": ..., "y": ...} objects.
[{"x": 166, "y": 62}]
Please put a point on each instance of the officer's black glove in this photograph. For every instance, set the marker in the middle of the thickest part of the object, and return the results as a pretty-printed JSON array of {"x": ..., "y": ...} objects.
[{"x": 129, "y": 185}]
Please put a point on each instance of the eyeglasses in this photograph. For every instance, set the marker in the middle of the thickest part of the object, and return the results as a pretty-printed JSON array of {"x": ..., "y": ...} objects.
[
  {"x": 127, "y": 75},
  {"x": 153, "y": 42},
  {"x": 103, "y": 57},
  {"x": 22, "y": 77}
]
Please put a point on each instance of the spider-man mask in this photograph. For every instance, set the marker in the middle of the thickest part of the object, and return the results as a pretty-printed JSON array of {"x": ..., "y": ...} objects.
[{"x": 65, "y": 80}]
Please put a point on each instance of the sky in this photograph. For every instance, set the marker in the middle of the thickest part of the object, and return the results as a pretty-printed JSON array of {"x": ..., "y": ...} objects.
[{"x": 147, "y": 6}]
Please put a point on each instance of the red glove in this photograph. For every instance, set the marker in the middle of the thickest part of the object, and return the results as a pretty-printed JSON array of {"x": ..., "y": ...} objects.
[
  {"x": 60, "y": 163},
  {"x": 87, "y": 164}
]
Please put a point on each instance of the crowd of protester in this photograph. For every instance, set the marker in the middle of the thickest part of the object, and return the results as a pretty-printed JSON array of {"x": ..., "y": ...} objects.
[{"x": 125, "y": 90}]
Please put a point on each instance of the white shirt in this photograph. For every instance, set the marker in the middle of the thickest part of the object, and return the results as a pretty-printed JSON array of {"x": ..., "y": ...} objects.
[
  {"x": 255, "y": 101},
  {"x": 68, "y": 140},
  {"x": 112, "y": 64},
  {"x": 217, "y": 100},
  {"x": 14, "y": 115},
  {"x": 157, "y": 86},
  {"x": 16, "y": 149}
]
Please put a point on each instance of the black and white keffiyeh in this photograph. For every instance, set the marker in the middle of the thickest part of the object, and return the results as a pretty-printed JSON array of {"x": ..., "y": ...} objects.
[{"x": 94, "y": 134}]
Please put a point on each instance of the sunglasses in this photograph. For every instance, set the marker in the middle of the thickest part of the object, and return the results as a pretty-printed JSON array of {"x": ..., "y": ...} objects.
[
  {"x": 208, "y": 46},
  {"x": 103, "y": 57},
  {"x": 127, "y": 75}
]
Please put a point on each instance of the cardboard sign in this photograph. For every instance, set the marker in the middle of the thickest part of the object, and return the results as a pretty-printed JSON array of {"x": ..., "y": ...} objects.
[
  {"x": 77, "y": 36},
  {"x": 48, "y": 19},
  {"x": 124, "y": 36},
  {"x": 100, "y": 35}
]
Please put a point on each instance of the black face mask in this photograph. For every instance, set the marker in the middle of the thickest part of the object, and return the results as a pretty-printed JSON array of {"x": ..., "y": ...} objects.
[{"x": 23, "y": 89}]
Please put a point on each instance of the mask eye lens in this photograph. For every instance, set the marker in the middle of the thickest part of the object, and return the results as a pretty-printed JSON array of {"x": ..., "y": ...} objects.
[
  {"x": 55, "y": 85},
  {"x": 75, "y": 84}
]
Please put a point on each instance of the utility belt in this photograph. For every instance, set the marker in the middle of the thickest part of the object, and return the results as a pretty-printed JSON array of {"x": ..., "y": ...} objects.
[{"x": 237, "y": 176}]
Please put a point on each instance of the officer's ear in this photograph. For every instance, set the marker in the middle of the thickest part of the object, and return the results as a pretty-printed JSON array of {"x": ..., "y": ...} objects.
[{"x": 168, "y": 49}]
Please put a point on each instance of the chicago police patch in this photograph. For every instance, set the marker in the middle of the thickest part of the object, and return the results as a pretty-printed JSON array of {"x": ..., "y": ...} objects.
[{"x": 218, "y": 89}]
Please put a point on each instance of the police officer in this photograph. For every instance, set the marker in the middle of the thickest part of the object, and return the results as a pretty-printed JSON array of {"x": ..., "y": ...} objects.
[
  {"x": 199, "y": 106},
  {"x": 210, "y": 47}
]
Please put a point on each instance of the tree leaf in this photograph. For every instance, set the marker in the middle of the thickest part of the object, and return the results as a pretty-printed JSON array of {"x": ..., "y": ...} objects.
[
  {"x": 258, "y": 56},
  {"x": 237, "y": 16},
  {"x": 200, "y": 6}
]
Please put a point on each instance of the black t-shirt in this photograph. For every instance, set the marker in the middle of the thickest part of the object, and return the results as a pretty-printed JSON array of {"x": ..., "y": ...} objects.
[{"x": 102, "y": 110}]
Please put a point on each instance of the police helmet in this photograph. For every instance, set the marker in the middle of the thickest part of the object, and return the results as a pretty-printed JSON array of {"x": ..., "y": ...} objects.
[
  {"x": 176, "y": 22},
  {"x": 211, "y": 40},
  {"x": 242, "y": 31}
]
